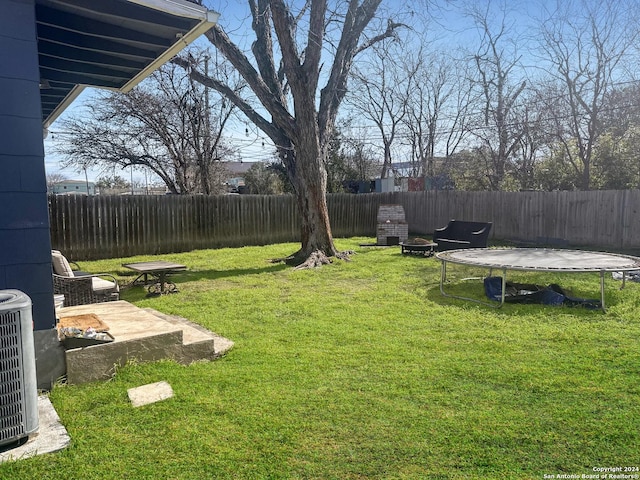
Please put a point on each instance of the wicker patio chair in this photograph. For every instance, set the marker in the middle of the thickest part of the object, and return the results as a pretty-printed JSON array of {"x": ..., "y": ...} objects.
[
  {"x": 81, "y": 289},
  {"x": 86, "y": 289}
]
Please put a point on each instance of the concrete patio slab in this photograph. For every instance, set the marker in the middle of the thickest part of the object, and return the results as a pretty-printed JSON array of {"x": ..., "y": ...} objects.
[
  {"x": 51, "y": 436},
  {"x": 140, "y": 335}
]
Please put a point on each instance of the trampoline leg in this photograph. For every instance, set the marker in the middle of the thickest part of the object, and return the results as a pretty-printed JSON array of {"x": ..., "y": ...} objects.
[
  {"x": 443, "y": 277},
  {"x": 504, "y": 286},
  {"x": 604, "y": 308}
]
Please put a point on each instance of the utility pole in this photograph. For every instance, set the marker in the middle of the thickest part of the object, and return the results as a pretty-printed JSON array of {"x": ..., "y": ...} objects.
[
  {"x": 206, "y": 155},
  {"x": 86, "y": 178},
  {"x": 207, "y": 120}
]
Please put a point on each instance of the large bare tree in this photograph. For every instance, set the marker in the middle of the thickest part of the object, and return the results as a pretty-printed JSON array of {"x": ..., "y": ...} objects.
[
  {"x": 586, "y": 45},
  {"x": 497, "y": 65},
  {"x": 288, "y": 61},
  {"x": 437, "y": 110},
  {"x": 381, "y": 95},
  {"x": 163, "y": 126}
]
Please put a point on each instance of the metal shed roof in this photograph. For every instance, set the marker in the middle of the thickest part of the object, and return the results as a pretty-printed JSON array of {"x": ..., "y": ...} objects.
[{"x": 112, "y": 44}]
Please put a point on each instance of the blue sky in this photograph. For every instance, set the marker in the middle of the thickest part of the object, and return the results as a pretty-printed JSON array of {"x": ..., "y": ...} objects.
[{"x": 443, "y": 21}]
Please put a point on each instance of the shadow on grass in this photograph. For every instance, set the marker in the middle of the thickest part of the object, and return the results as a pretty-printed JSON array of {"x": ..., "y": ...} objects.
[
  {"x": 198, "y": 275},
  {"x": 133, "y": 293},
  {"x": 471, "y": 297},
  {"x": 465, "y": 290}
]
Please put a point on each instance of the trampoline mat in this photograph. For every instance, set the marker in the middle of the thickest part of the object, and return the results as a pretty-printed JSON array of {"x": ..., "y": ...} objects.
[{"x": 544, "y": 259}]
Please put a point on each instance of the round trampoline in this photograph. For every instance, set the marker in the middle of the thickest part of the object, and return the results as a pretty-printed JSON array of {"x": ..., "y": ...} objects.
[{"x": 538, "y": 260}]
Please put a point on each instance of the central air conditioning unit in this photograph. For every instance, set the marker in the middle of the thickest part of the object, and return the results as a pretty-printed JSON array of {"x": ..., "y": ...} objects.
[{"x": 18, "y": 382}]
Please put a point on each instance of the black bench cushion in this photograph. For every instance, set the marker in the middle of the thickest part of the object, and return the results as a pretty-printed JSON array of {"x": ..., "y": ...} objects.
[{"x": 462, "y": 234}]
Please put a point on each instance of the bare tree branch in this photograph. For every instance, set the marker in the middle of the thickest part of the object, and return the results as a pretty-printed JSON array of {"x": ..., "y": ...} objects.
[
  {"x": 236, "y": 57},
  {"x": 262, "y": 48}
]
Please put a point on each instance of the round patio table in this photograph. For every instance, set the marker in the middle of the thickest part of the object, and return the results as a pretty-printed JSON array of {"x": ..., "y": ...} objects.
[{"x": 537, "y": 260}]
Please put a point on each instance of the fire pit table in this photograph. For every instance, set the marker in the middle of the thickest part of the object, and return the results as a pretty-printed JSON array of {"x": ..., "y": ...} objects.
[
  {"x": 159, "y": 272},
  {"x": 426, "y": 249}
]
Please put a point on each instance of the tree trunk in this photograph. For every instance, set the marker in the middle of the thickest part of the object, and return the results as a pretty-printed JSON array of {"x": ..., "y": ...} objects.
[
  {"x": 316, "y": 236},
  {"x": 310, "y": 181},
  {"x": 302, "y": 137}
]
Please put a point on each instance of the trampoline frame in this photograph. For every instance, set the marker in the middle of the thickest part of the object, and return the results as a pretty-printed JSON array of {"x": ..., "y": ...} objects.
[{"x": 448, "y": 257}]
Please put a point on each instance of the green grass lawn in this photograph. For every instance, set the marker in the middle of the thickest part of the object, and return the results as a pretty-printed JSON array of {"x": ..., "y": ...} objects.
[{"x": 362, "y": 370}]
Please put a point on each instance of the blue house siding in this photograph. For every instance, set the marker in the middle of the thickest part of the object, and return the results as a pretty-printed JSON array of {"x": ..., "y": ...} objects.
[
  {"x": 25, "y": 257},
  {"x": 25, "y": 245}
]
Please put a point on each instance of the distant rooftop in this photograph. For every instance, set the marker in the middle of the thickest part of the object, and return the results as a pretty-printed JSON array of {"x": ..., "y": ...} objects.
[{"x": 239, "y": 167}]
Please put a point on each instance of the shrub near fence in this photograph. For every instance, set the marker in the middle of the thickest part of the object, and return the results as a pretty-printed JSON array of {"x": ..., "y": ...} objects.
[{"x": 117, "y": 226}]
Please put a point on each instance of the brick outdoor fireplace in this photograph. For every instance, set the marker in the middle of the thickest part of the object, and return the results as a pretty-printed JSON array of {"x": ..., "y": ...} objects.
[{"x": 392, "y": 227}]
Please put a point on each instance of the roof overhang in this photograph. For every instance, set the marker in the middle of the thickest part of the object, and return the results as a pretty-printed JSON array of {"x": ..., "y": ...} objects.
[{"x": 111, "y": 44}]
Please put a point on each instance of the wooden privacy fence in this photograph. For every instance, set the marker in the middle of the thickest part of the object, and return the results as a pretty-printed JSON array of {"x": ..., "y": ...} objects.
[
  {"x": 119, "y": 226},
  {"x": 597, "y": 219}
]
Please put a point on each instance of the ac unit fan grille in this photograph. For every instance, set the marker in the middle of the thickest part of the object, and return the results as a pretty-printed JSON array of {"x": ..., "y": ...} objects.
[{"x": 12, "y": 419}]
